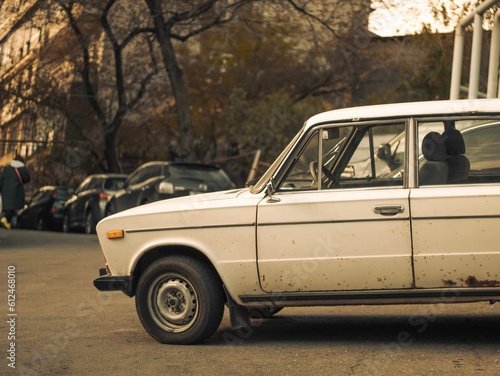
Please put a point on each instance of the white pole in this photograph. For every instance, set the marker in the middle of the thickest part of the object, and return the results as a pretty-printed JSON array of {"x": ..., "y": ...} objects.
[
  {"x": 475, "y": 65},
  {"x": 493, "y": 79},
  {"x": 458, "y": 52},
  {"x": 456, "y": 69}
]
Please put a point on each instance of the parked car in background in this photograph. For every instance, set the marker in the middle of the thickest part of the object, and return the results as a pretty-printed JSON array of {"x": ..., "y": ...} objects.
[
  {"x": 85, "y": 208},
  {"x": 45, "y": 209},
  {"x": 155, "y": 181},
  {"x": 310, "y": 233}
]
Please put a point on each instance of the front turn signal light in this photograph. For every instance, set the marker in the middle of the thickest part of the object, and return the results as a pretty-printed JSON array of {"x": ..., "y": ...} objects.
[{"x": 115, "y": 234}]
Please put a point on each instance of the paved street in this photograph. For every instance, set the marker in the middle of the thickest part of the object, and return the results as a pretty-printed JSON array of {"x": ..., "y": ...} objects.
[{"x": 64, "y": 326}]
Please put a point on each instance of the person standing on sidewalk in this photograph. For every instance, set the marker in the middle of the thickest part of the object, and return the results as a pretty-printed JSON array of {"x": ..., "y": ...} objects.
[{"x": 12, "y": 182}]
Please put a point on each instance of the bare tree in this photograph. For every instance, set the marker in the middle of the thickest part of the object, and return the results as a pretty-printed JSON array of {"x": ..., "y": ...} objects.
[
  {"x": 119, "y": 39},
  {"x": 179, "y": 21}
]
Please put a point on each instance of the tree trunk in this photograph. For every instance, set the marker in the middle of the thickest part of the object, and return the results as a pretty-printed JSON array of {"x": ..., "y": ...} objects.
[
  {"x": 185, "y": 149},
  {"x": 111, "y": 153}
]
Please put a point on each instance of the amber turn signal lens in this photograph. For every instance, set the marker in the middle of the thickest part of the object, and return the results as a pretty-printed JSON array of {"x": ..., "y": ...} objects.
[{"x": 115, "y": 234}]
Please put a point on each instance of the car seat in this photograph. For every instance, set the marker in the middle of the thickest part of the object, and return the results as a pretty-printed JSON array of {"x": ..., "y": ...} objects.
[
  {"x": 435, "y": 169},
  {"x": 458, "y": 164}
]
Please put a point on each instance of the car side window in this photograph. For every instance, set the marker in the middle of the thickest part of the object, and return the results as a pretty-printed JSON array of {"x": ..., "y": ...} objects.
[
  {"x": 83, "y": 186},
  {"x": 148, "y": 173},
  {"x": 300, "y": 176},
  {"x": 375, "y": 157},
  {"x": 350, "y": 157},
  {"x": 95, "y": 183},
  {"x": 37, "y": 196},
  {"x": 482, "y": 146},
  {"x": 135, "y": 178},
  {"x": 465, "y": 151}
]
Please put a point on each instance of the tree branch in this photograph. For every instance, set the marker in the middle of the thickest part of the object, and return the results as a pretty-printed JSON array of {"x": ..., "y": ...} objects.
[
  {"x": 303, "y": 10},
  {"x": 216, "y": 21},
  {"x": 86, "y": 62}
]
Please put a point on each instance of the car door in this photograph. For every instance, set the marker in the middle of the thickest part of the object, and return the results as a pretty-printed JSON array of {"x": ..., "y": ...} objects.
[
  {"x": 455, "y": 225},
  {"x": 78, "y": 205},
  {"x": 33, "y": 209},
  {"x": 133, "y": 191},
  {"x": 349, "y": 233},
  {"x": 123, "y": 199}
]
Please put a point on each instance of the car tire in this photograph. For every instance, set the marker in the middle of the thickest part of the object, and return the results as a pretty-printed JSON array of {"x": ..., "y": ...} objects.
[
  {"x": 180, "y": 300},
  {"x": 40, "y": 224},
  {"x": 90, "y": 224},
  {"x": 65, "y": 226}
]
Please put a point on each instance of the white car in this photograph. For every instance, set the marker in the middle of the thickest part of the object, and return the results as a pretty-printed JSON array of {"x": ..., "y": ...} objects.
[{"x": 313, "y": 232}]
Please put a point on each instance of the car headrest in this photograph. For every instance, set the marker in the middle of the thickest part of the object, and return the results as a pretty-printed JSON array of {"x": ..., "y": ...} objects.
[
  {"x": 454, "y": 142},
  {"x": 433, "y": 147}
]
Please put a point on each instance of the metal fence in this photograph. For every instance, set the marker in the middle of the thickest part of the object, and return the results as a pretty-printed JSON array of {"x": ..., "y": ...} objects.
[{"x": 476, "y": 19}]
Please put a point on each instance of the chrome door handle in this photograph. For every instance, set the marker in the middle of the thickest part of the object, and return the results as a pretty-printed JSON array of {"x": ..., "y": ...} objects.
[{"x": 388, "y": 209}]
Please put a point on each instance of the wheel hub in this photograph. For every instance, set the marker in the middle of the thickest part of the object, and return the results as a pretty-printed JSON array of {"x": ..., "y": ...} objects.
[{"x": 176, "y": 301}]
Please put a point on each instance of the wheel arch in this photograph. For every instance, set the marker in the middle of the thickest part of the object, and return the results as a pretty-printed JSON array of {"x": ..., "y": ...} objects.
[{"x": 156, "y": 253}]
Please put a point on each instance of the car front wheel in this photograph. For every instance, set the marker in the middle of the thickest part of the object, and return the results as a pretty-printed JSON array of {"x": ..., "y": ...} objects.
[{"x": 180, "y": 300}]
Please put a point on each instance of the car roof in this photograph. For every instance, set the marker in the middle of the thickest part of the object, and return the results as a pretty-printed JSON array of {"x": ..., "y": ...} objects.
[
  {"x": 395, "y": 110},
  {"x": 105, "y": 176},
  {"x": 187, "y": 164},
  {"x": 52, "y": 187}
]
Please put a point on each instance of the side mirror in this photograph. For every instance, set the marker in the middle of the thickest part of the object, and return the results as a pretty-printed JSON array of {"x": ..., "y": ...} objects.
[
  {"x": 270, "y": 188},
  {"x": 270, "y": 191},
  {"x": 166, "y": 188}
]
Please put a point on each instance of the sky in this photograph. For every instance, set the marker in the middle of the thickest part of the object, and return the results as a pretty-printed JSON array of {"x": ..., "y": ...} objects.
[{"x": 403, "y": 17}]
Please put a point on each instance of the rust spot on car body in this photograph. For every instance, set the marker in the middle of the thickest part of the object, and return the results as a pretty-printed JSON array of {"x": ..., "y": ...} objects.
[
  {"x": 473, "y": 282},
  {"x": 449, "y": 283}
]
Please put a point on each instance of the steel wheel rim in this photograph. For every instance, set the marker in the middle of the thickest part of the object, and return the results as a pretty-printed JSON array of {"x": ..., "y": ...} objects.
[{"x": 173, "y": 303}]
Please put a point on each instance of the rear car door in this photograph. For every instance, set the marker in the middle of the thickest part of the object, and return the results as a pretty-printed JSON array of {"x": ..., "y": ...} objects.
[
  {"x": 456, "y": 223},
  {"x": 343, "y": 226}
]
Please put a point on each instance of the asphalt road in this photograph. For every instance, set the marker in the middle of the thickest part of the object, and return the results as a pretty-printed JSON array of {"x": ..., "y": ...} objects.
[{"x": 64, "y": 326}]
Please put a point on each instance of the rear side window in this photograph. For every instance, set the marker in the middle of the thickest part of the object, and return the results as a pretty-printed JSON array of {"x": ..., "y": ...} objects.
[
  {"x": 461, "y": 151},
  {"x": 113, "y": 184},
  {"x": 94, "y": 184},
  {"x": 483, "y": 148},
  {"x": 63, "y": 193}
]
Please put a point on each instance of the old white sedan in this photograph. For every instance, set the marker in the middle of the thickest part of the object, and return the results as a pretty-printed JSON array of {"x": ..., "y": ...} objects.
[{"x": 383, "y": 204}]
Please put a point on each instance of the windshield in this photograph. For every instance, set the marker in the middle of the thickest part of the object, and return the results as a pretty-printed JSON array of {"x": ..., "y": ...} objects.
[
  {"x": 199, "y": 178},
  {"x": 261, "y": 183}
]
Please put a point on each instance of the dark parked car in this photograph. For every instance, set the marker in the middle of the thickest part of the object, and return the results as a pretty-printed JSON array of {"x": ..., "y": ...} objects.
[
  {"x": 45, "y": 210},
  {"x": 86, "y": 206},
  {"x": 155, "y": 181}
]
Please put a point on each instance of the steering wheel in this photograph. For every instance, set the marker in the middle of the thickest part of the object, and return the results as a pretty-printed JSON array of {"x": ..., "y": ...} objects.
[{"x": 328, "y": 179}]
